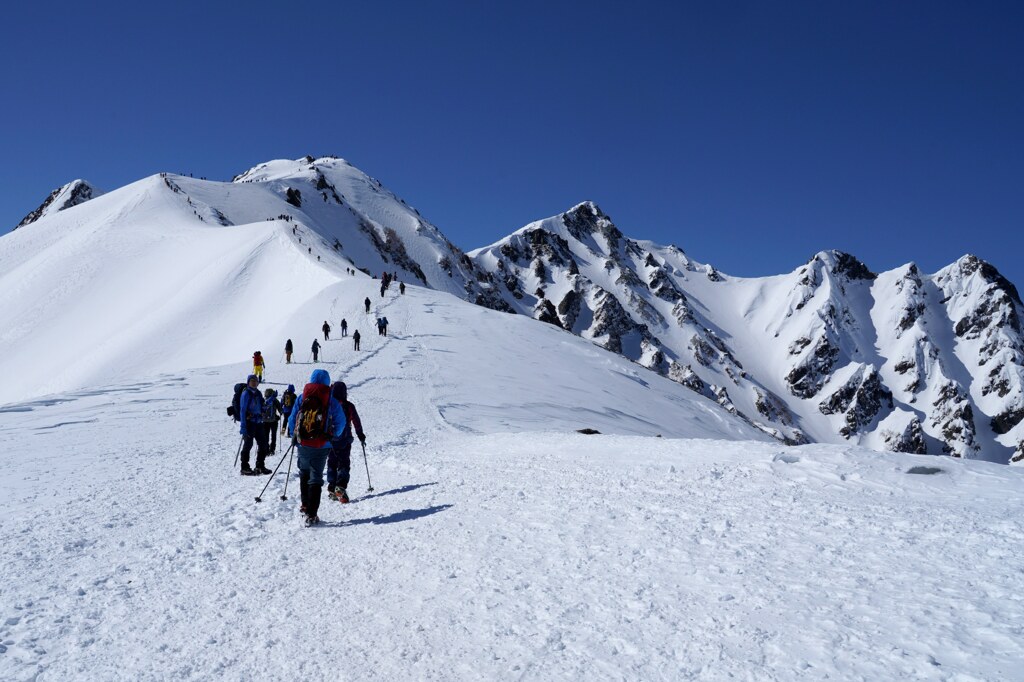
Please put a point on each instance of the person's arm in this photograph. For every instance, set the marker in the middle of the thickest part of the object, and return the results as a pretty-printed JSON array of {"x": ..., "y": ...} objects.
[
  {"x": 291, "y": 417},
  {"x": 357, "y": 424},
  {"x": 243, "y": 408},
  {"x": 338, "y": 421}
]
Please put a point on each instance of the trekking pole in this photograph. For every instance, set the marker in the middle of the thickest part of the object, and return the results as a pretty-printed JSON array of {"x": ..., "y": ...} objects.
[
  {"x": 369, "y": 489},
  {"x": 259, "y": 498},
  {"x": 284, "y": 495},
  {"x": 241, "y": 440}
]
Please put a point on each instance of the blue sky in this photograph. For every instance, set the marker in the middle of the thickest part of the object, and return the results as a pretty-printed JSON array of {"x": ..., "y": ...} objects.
[{"x": 751, "y": 134}]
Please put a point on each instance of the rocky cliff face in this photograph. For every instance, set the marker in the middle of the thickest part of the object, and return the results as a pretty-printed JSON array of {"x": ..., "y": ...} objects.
[
  {"x": 72, "y": 194},
  {"x": 831, "y": 352}
]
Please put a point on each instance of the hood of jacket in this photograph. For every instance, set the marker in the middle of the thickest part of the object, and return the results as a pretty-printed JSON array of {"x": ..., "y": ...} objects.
[
  {"x": 339, "y": 391},
  {"x": 320, "y": 376}
]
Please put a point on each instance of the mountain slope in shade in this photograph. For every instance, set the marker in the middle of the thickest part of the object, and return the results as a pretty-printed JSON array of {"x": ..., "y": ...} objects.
[{"x": 831, "y": 352}]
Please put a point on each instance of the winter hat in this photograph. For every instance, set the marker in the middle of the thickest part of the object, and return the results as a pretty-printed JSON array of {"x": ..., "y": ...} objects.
[
  {"x": 320, "y": 376},
  {"x": 251, "y": 377},
  {"x": 339, "y": 391},
  {"x": 270, "y": 393},
  {"x": 291, "y": 388}
]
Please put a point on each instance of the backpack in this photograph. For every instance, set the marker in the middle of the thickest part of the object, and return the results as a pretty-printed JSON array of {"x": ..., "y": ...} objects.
[
  {"x": 312, "y": 419},
  {"x": 287, "y": 400},
  {"x": 235, "y": 407},
  {"x": 269, "y": 411}
]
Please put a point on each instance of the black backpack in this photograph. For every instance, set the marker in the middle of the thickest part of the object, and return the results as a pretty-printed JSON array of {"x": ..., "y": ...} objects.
[{"x": 235, "y": 402}]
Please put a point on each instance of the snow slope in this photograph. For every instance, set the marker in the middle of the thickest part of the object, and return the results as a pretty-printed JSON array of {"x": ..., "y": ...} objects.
[{"x": 497, "y": 544}]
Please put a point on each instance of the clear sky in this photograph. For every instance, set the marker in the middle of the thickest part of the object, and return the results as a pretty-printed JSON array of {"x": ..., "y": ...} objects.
[{"x": 750, "y": 134}]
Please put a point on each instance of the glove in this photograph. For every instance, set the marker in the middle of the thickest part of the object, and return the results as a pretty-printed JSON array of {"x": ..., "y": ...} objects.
[{"x": 362, "y": 439}]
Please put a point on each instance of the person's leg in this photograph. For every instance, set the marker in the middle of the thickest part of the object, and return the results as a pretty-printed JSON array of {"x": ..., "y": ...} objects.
[
  {"x": 344, "y": 465},
  {"x": 303, "y": 464},
  {"x": 262, "y": 448},
  {"x": 317, "y": 461},
  {"x": 246, "y": 448},
  {"x": 272, "y": 432},
  {"x": 332, "y": 468}
]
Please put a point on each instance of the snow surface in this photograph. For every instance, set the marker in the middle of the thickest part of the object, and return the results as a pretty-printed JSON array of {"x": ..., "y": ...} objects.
[{"x": 498, "y": 543}]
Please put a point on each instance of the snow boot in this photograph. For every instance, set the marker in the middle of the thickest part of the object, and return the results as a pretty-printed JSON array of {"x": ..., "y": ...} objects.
[
  {"x": 342, "y": 496},
  {"x": 313, "y": 500},
  {"x": 246, "y": 471},
  {"x": 262, "y": 470}
]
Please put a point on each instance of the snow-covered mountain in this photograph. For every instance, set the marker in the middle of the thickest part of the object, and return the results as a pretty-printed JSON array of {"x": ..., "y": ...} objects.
[
  {"x": 832, "y": 352},
  {"x": 494, "y": 541},
  {"x": 72, "y": 194}
]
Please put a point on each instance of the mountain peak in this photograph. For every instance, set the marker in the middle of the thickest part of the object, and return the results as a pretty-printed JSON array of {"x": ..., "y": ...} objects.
[
  {"x": 969, "y": 264},
  {"x": 72, "y": 194},
  {"x": 842, "y": 263}
]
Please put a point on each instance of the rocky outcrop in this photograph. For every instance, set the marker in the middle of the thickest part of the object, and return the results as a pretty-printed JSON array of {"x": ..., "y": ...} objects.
[
  {"x": 72, "y": 194},
  {"x": 911, "y": 439}
]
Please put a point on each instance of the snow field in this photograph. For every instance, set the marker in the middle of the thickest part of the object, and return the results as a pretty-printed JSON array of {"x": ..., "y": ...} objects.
[{"x": 497, "y": 544}]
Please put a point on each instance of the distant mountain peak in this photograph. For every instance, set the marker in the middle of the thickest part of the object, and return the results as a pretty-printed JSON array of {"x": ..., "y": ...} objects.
[
  {"x": 72, "y": 194},
  {"x": 842, "y": 263}
]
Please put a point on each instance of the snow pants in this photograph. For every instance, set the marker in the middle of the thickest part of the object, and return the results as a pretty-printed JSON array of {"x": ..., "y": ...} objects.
[
  {"x": 311, "y": 476},
  {"x": 258, "y": 432},
  {"x": 272, "y": 433},
  {"x": 339, "y": 463}
]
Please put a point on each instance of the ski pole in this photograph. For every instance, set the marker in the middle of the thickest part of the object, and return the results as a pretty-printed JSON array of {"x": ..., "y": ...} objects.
[
  {"x": 284, "y": 495},
  {"x": 259, "y": 498},
  {"x": 237, "y": 454},
  {"x": 369, "y": 488}
]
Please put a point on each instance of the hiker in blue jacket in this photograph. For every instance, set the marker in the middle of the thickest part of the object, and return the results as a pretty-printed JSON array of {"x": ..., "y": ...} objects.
[
  {"x": 313, "y": 448},
  {"x": 252, "y": 427}
]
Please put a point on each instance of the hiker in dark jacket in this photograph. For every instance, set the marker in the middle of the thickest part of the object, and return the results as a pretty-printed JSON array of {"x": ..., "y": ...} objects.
[
  {"x": 339, "y": 462},
  {"x": 287, "y": 404},
  {"x": 288, "y": 348},
  {"x": 271, "y": 415},
  {"x": 344, "y": 327},
  {"x": 313, "y": 450},
  {"x": 367, "y": 304},
  {"x": 327, "y": 331},
  {"x": 316, "y": 349},
  {"x": 355, "y": 340},
  {"x": 401, "y": 288},
  {"x": 251, "y": 410}
]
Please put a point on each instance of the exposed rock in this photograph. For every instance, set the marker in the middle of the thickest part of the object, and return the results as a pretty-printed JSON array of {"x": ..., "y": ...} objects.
[
  {"x": 611, "y": 320},
  {"x": 569, "y": 309},
  {"x": 60, "y": 199},
  {"x": 1006, "y": 420},
  {"x": 810, "y": 374},
  {"x": 293, "y": 197},
  {"x": 687, "y": 377},
  {"x": 910, "y": 440},
  {"x": 545, "y": 312}
]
